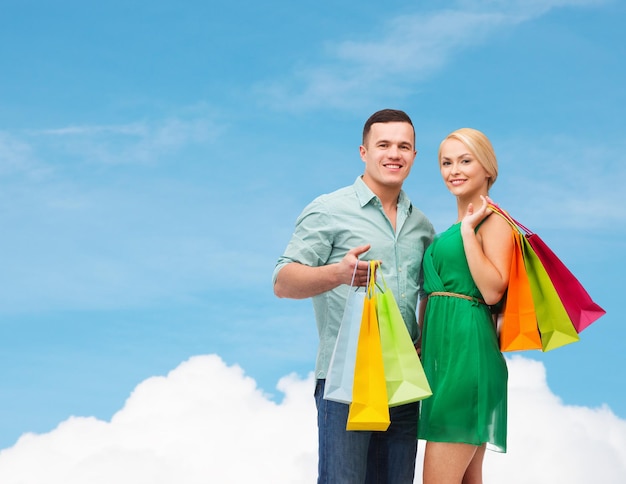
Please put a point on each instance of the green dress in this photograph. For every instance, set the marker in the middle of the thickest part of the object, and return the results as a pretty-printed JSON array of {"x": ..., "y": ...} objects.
[{"x": 460, "y": 353}]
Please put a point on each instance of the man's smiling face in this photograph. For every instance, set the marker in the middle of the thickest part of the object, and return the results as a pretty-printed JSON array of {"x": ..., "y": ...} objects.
[{"x": 388, "y": 154}]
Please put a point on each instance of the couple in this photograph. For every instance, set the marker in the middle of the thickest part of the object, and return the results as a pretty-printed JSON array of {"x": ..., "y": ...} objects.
[{"x": 456, "y": 277}]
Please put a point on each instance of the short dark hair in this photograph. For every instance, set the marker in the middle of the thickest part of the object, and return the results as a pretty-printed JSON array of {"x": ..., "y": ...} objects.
[{"x": 387, "y": 116}]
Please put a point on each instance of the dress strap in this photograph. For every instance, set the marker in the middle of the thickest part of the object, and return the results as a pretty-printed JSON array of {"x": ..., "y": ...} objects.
[{"x": 461, "y": 296}]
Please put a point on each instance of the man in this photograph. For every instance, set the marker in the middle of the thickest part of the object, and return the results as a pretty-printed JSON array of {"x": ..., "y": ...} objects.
[{"x": 371, "y": 219}]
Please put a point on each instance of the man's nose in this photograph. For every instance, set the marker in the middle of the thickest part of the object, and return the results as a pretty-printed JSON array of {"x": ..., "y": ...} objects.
[{"x": 394, "y": 151}]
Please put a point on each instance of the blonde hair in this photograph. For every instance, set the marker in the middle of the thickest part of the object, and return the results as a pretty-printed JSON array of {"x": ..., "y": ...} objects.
[{"x": 480, "y": 146}]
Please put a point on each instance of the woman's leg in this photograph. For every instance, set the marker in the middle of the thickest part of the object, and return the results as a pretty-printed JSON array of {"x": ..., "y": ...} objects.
[
  {"x": 474, "y": 472},
  {"x": 447, "y": 463}
]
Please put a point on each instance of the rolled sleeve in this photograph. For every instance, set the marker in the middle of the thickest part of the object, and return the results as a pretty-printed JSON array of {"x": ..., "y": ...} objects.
[{"x": 311, "y": 242}]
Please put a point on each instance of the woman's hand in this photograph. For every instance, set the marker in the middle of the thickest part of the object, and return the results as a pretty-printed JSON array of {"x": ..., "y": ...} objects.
[{"x": 472, "y": 217}]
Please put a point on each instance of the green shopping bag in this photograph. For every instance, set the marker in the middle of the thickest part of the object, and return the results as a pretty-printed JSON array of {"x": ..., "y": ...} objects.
[{"x": 404, "y": 375}]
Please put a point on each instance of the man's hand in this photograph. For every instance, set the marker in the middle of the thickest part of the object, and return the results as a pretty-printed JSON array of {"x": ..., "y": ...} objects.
[
  {"x": 299, "y": 281},
  {"x": 345, "y": 267}
]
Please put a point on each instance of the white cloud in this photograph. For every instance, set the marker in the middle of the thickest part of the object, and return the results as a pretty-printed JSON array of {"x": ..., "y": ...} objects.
[
  {"x": 17, "y": 157},
  {"x": 406, "y": 49},
  {"x": 207, "y": 422},
  {"x": 414, "y": 47},
  {"x": 551, "y": 442},
  {"x": 137, "y": 142},
  {"x": 203, "y": 422}
]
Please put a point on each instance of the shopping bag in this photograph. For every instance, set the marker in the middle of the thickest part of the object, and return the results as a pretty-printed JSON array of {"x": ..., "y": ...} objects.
[
  {"x": 404, "y": 375},
  {"x": 369, "y": 409},
  {"x": 555, "y": 326},
  {"x": 519, "y": 330},
  {"x": 340, "y": 375},
  {"x": 580, "y": 308}
]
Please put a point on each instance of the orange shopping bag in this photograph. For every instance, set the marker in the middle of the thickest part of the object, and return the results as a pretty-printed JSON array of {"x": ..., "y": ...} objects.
[{"x": 519, "y": 330}]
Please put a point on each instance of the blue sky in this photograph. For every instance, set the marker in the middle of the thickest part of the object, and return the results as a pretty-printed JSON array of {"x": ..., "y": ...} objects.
[{"x": 154, "y": 157}]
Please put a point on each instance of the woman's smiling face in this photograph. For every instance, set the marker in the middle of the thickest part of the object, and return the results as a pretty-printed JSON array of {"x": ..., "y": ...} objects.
[{"x": 462, "y": 173}]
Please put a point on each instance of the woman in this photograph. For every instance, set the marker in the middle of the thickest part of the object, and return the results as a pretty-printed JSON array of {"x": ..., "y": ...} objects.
[{"x": 466, "y": 270}]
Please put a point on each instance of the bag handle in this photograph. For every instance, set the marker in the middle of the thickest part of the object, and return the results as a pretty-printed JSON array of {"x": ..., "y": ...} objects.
[
  {"x": 354, "y": 272},
  {"x": 512, "y": 222},
  {"x": 371, "y": 278},
  {"x": 356, "y": 266}
]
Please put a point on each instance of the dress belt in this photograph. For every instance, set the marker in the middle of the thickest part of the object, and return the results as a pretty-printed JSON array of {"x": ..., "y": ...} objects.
[{"x": 461, "y": 296}]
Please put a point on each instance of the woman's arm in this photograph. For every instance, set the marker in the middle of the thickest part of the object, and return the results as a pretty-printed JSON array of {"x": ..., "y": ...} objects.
[{"x": 489, "y": 251}]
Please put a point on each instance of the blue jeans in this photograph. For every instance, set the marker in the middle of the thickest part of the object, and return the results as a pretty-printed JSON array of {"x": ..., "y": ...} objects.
[{"x": 361, "y": 457}]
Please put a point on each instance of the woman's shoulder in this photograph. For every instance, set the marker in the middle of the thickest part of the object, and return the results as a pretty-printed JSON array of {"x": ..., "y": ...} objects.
[{"x": 495, "y": 226}]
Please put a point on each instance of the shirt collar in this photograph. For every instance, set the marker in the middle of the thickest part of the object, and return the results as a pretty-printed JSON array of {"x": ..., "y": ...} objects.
[{"x": 366, "y": 195}]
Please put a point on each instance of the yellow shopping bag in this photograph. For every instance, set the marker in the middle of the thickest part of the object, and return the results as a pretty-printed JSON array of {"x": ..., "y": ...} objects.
[{"x": 369, "y": 409}]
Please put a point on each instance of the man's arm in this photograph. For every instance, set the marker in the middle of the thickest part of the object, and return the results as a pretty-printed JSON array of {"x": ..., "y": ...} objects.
[{"x": 299, "y": 281}]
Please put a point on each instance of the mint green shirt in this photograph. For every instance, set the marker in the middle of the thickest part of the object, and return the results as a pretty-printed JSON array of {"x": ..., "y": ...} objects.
[{"x": 334, "y": 223}]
